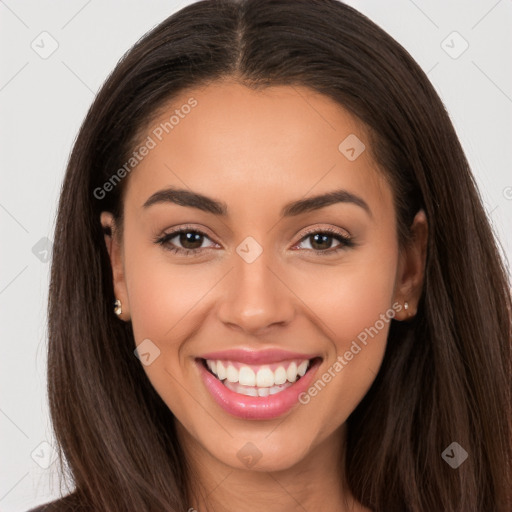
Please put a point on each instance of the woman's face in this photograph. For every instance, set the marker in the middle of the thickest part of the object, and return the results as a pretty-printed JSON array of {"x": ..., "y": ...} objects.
[{"x": 271, "y": 286}]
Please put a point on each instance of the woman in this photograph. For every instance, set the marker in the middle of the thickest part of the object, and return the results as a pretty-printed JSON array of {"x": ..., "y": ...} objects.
[{"x": 274, "y": 286}]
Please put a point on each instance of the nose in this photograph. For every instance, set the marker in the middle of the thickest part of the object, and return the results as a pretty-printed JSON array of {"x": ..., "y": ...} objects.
[{"x": 255, "y": 297}]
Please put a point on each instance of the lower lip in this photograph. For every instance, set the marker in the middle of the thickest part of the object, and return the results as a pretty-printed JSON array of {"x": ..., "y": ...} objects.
[{"x": 253, "y": 407}]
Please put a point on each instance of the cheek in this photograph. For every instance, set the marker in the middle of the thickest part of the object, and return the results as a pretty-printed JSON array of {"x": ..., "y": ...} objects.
[
  {"x": 162, "y": 298},
  {"x": 355, "y": 305},
  {"x": 162, "y": 294},
  {"x": 351, "y": 296}
]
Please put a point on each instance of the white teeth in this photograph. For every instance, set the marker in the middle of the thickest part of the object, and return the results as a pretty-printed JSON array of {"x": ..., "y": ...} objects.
[
  {"x": 263, "y": 391},
  {"x": 260, "y": 376},
  {"x": 292, "y": 372},
  {"x": 253, "y": 391},
  {"x": 275, "y": 389},
  {"x": 301, "y": 369},
  {"x": 280, "y": 376},
  {"x": 246, "y": 376},
  {"x": 212, "y": 365},
  {"x": 232, "y": 374},
  {"x": 220, "y": 370},
  {"x": 264, "y": 378},
  {"x": 238, "y": 388}
]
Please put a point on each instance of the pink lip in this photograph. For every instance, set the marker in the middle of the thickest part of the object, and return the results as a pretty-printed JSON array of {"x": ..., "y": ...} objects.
[
  {"x": 253, "y": 407},
  {"x": 267, "y": 356}
]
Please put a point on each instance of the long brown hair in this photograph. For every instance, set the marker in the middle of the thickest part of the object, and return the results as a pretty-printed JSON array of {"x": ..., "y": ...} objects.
[{"x": 446, "y": 375}]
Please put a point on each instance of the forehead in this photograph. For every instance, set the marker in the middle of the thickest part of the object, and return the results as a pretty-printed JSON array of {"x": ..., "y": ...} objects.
[{"x": 273, "y": 144}]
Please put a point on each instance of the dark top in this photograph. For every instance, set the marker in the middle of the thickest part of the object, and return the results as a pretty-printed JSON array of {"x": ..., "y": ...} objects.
[
  {"x": 51, "y": 507},
  {"x": 66, "y": 504}
]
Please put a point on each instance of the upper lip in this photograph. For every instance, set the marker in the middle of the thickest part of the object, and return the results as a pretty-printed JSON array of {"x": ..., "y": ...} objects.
[{"x": 266, "y": 356}]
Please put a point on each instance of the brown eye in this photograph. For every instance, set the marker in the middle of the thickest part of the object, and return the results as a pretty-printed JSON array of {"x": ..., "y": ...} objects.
[
  {"x": 190, "y": 239},
  {"x": 183, "y": 241},
  {"x": 321, "y": 241}
]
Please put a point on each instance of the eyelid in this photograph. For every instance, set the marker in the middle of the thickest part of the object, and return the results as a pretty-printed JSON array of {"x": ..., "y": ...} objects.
[
  {"x": 345, "y": 240},
  {"x": 327, "y": 229},
  {"x": 186, "y": 227},
  {"x": 163, "y": 239}
]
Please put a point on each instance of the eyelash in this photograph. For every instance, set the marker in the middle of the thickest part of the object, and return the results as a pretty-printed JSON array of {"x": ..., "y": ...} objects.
[{"x": 345, "y": 241}]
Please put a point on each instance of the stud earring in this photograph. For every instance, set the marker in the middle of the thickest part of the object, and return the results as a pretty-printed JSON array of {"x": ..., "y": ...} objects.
[
  {"x": 117, "y": 307},
  {"x": 406, "y": 305}
]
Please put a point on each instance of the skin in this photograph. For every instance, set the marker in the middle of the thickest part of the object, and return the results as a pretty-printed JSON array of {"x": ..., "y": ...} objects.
[{"x": 281, "y": 144}]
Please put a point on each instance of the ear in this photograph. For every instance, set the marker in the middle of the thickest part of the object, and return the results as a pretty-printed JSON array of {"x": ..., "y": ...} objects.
[
  {"x": 115, "y": 252},
  {"x": 411, "y": 268}
]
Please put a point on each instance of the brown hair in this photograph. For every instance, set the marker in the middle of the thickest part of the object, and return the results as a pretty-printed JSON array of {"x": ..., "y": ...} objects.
[{"x": 445, "y": 375}]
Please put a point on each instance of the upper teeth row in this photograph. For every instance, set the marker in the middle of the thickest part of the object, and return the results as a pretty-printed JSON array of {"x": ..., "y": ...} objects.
[{"x": 261, "y": 376}]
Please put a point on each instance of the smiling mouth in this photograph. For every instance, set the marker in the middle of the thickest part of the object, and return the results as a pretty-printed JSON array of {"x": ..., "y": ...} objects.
[{"x": 258, "y": 380}]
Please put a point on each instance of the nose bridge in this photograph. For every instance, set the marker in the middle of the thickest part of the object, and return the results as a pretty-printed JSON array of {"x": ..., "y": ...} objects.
[{"x": 255, "y": 298}]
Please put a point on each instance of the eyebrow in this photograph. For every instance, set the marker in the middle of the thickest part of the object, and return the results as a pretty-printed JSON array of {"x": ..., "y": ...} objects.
[{"x": 191, "y": 199}]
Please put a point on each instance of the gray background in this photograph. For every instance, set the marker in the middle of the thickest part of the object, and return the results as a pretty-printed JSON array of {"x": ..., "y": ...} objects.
[{"x": 44, "y": 98}]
